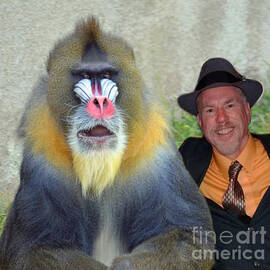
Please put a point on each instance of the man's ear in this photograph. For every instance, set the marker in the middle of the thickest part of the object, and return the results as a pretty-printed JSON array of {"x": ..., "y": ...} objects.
[
  {"x": 199, "y": 120},
  {"x": 248, "y": 111}
]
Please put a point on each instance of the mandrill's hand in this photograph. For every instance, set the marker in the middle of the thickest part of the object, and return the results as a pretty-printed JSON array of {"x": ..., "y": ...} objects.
[
  {"x": 170, "y": 251},
  {"x": 123, "y": 263},
  {"x": 144, "y": 261}
]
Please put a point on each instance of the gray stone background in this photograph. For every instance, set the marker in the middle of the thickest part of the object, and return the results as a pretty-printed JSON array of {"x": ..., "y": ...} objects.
[{"x": 171, "y": 40}]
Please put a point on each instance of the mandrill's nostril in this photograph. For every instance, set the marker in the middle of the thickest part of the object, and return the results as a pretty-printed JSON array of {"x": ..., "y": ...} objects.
[
  {"x": 96, "y": 102},
  {"x": 105, "y": 103}
]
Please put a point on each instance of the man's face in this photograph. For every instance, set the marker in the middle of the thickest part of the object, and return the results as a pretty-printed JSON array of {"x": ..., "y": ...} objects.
[{"x": 223, "y": 117}]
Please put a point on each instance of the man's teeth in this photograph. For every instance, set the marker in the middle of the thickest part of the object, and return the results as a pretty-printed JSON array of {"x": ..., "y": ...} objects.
[{"x": 224, "y": 131}]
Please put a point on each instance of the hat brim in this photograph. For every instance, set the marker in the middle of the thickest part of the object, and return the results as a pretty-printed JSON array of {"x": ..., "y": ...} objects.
[{"x": 252, "y": 90}]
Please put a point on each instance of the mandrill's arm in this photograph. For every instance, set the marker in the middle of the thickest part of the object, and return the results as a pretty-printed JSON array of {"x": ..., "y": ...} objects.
[
  {"x": 45, "y": 228},
  {"x": 171, "y": 251},
  {"x": 53, "y": 259},
  {"x": 171, "y": 224}
]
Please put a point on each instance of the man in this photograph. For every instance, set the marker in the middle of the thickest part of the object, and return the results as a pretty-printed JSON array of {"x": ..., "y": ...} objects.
[{"x": 230, "y": 165}]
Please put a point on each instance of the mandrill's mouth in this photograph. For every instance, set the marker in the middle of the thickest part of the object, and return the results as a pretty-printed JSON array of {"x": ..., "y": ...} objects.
[{"x": 96, "y": 132}]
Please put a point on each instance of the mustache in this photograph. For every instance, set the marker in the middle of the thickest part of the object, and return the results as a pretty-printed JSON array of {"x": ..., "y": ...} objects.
[{"x": 224, "y": 126}]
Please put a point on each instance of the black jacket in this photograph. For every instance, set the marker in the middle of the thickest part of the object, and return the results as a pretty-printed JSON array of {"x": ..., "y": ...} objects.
[{"x": 251, "y": 238}]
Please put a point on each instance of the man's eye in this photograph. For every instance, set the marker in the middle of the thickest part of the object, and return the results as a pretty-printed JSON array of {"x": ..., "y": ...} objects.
[
  {"x": 230, "y": 105},
  {"x": 209, "y": 110}
]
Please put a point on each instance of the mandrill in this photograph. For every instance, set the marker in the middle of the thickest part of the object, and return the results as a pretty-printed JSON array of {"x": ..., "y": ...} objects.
[{"x": 101, "y": 182}]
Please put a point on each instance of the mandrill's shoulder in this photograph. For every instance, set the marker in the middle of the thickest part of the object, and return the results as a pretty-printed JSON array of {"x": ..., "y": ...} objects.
[{"x": 36, "y": 98}]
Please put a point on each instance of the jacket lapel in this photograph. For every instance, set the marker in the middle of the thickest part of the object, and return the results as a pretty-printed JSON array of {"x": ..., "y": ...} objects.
[{"x": 197, "y": 154}]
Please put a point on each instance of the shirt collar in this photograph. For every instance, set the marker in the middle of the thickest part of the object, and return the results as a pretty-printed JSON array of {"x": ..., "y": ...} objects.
[{"x": 246, "y": 158}]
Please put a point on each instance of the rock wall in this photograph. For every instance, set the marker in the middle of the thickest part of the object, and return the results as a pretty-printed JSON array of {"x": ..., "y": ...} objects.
[{"x": 171, "y": 40}]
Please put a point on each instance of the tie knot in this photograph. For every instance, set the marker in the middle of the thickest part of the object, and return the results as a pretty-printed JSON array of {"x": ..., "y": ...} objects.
[{"x": 234, "y": 169}]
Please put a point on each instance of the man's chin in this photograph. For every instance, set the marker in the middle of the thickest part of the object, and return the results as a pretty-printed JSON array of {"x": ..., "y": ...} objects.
[{"x": 228, "y": 150}]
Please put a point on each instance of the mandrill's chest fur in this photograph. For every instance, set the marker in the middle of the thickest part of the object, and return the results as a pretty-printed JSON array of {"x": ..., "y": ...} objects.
[{"x": 108, "y": 243}]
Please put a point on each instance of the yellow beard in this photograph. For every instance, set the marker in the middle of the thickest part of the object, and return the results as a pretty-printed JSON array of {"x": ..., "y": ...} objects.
[{"x": 96, "y": 170}]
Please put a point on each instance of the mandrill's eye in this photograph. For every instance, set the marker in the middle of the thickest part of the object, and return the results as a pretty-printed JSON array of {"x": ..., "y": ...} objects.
[
  {"x": 86, "y": 76},
  {"x": 107, "y": 76}
]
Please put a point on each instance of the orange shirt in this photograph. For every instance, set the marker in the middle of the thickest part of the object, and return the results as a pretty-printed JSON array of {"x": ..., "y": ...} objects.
[{"x": 254, "y": 177}]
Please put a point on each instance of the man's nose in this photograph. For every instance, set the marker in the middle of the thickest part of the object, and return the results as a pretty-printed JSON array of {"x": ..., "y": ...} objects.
[{"x": 221, "y": 115}]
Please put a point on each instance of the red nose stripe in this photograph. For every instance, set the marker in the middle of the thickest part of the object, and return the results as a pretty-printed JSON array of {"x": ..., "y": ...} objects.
[
  {"x": 99, "y": 88},
  {"x": 93, "y": 84},
  {"x": 96, "y": 87}
]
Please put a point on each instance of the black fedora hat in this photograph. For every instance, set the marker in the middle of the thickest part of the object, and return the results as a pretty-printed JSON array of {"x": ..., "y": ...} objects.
[{"x": 217, "y": 72}]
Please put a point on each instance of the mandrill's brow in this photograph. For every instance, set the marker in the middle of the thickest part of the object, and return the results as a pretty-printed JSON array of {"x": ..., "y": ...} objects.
[{"x": 94, "y": 69}]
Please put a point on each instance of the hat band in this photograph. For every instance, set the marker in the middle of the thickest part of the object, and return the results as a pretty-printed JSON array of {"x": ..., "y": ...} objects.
[{"x": 217, "y": 77}]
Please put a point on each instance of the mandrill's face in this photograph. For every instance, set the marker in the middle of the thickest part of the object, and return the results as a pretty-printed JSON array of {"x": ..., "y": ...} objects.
[{"x": 97, "y": 123}]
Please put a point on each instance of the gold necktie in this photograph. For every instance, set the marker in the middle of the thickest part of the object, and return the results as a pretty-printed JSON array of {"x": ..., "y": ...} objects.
[{"x": 233, "y": 198}]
